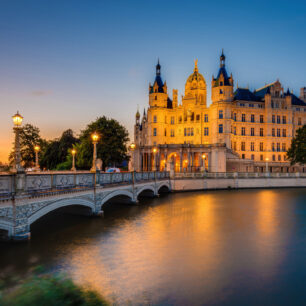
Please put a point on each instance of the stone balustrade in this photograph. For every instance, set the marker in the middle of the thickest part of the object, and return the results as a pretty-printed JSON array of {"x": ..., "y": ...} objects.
[{"x": 42, "y": 182}]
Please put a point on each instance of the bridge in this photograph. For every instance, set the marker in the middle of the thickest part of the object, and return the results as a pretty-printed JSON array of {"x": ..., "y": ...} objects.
[{"x": 24, "y": 198}]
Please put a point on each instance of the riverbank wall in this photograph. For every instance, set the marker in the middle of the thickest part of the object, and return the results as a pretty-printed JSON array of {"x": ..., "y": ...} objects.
[{"x": 193, "y": 181}]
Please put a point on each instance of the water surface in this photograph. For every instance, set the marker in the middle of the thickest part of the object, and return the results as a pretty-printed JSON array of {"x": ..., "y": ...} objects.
[{"x": 201, "y": 248}]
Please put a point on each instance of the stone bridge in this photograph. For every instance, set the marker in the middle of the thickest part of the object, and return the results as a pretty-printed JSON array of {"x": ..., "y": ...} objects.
[{"x": 24, "y": 198}]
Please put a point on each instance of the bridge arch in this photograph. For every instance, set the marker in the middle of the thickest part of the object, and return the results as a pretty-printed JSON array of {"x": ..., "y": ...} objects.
[
  {"x": 59, "y": 204},
  {"x": 116, "y": 194},
  {"x": 6, "y": 226},
  {"x": 163, "y": 188},
  {"x": 146, "y": 191}
]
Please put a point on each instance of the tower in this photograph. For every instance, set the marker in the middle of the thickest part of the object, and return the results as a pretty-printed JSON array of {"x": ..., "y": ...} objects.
[
  {"x": 158, "y": 92},
  {"x": 195, "y": 87},
  {"x": 222, "y": 86}
]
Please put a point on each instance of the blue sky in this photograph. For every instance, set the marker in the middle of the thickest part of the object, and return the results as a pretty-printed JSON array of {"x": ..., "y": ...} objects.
[{"x": 64, "y": 63}]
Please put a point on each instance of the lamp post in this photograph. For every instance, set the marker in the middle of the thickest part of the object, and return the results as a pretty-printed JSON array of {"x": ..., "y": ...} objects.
[
  {"x": 73, "y": 152},
  {"x": 132, "y": 148},
  {"x": 17, "y": 119},
  {"x": 154, "y": 158},
  {"x": 204, "y": 162},
  {"x": 95, "y": 137},
  {"x": 36, "y": 149},
  {"x": 267, "y": 159}
]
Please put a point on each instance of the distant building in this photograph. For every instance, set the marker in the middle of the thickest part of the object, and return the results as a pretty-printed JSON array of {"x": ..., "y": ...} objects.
[{"x": 240, "y": 131}]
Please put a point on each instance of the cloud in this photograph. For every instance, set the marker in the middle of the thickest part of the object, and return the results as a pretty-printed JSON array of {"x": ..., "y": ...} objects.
[{"x": 40, "y": 93}]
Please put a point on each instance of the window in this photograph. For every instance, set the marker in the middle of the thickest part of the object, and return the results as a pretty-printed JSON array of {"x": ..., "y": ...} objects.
[
  {"x": 261, "y": 119},
  {"x": 273, "y": 132},
  {"x": 252, "y": 118},
  {"x": 251, "y": 105},
  {"x": 273, "y": 157},
  {"x": 300, "y": 121},
  {"x": 235, "y": 117},
  {"x": 235, "y": 130},
  {"x": 261, "y": 157},
  {"x": 243, "y": 156},
  {"x": 278, "y": 119},
  {"x": 279, "y": 157},
  {"x": 284, "y": 120},
  {"x": 252, "y": 157},
  {"x": 220, "y": 128},
  {"x": 154, "y": 132},
  {"x": 273, "y": 118},
  {"x": 252, "y": 146},
  {"x": 242, "y": 146},
  {"x": 243, "y": 117},
  {"x": 198, "y": 117},
  {"x": 278, "y": 147},
  {"x": 261, "y": 132},
  {"x": 278, "y": 133},
  {"x": 165, "y": 132},
  {"x": 252, "y": 132},
  {"x": 235, "y": 146},
  {"x": 191, "y": 131},
  {"x": 283, "y": 147},
  {"x": 284, "y": 133},
  {"x": 172, "y": 133},
  {"x": 221, "y": 91},
  {"x": 273, "y": 146},
  {"x": 205, "y": 118},
  {"x": 221, "y": 83},
  {"x": 172, "y": 120},
  {"x": 185, "y": 132},
  {"x": 206, "y": 131},
  {"x": 220, "y": 114},
  {"x": 261, "y": 146},
  {"x": 180, "y": 119},
  {"x": 243, "y": 131},
  {"x": 155, "y": 119}
]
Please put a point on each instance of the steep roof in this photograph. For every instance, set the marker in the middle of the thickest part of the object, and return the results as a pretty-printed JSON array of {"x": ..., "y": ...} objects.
[
  {"x": 297, "y": 101},
  {"x": 245, "y": 95},
  {"x": 261, "y": 92}
]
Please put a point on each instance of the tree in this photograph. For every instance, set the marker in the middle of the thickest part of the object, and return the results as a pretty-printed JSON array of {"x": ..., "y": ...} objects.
[
  {"x": 57, "y": 150},
  {"x": 111, "y": 148},
  {"x": 29, "y": 137},
  {"x": 297, "y": 152}
]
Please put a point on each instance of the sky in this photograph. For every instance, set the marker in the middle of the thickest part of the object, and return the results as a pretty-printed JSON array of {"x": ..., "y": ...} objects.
[{"x": 65, "y": 63}]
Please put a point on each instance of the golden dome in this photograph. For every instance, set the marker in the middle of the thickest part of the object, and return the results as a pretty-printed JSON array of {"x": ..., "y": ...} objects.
[{"x": 196, "y": 77}]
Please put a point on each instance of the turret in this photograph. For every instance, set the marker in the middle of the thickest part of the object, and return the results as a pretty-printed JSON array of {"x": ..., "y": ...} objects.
[
  {"x": 223, "y": 85},
  {"x": 158, "y": 91},
  {"x": 137, "y": 117}
]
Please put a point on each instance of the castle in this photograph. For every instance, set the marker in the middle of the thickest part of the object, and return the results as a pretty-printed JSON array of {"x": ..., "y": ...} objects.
[{"x": 241, "y": 131}]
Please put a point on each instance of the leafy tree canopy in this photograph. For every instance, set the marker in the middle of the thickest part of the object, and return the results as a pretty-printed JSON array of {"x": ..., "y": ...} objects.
[
  {"x": 297, "y": 152},
  {"x": 56, "y": 150},
  {"x": 111, "y": 148},
  {"x": 29, "y": 137}
]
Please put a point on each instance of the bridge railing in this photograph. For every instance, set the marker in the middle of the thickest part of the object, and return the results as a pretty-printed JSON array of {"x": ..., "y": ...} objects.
[{"x": 44, "y": 182}]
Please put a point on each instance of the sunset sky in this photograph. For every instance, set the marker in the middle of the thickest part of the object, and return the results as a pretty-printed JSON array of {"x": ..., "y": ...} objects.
[{"x": 64, "y": 63}]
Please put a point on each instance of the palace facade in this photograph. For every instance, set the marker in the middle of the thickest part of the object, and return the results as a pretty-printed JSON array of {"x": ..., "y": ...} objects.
[{"x": 241, "y": 131}]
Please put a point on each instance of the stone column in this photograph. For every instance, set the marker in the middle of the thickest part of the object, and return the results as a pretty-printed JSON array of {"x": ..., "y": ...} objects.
[{"x": 181, "y": 161}]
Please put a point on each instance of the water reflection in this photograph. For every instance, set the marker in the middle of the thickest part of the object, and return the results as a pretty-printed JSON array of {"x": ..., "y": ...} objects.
[{"x": 226, "y": 247}]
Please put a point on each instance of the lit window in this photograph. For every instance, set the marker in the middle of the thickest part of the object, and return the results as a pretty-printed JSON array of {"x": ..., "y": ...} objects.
[{"x": 220, "y": 128}]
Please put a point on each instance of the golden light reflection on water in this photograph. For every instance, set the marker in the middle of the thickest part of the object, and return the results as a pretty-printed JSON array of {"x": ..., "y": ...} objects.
[{"x": 185, "y": 245}]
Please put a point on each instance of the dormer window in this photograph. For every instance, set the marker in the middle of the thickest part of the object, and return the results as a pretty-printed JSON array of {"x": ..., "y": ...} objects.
[
  {"x": 221, "y": 83},
  {"x": 221, "y": 91}
]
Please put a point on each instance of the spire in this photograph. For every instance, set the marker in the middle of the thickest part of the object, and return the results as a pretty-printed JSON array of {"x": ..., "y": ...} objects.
[
  {"x": 158, "y": 68},
  {"x": 196, "y": 65},
  {"x": 222, "y": 59}
]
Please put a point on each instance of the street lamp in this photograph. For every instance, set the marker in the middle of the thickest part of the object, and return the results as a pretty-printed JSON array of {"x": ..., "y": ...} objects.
[
  {"x": 154, "y": 158},
  {"x": 267, "y": 159},
  {"x": 17, "y": 119},
  {"x": 95, "y": 138},
  {"x": 36, "y": 149},
  {"x": 132, "y": 148},
  {"x": 73, "y": 152},
  {"x": 203, "y": 162}
]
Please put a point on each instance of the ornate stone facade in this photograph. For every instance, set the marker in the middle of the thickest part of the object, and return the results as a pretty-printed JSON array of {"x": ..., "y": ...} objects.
[{"x": 240, "y": 131}]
